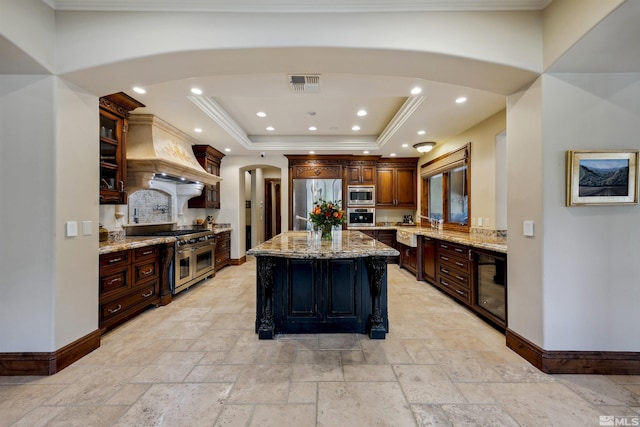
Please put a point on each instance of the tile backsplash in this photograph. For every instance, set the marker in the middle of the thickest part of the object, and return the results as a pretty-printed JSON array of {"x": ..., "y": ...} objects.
[{"x": 149, "y": 206}]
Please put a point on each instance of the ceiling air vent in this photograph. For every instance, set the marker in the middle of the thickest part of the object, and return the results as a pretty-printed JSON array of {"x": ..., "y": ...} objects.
[{"x": 305, "y": 83}]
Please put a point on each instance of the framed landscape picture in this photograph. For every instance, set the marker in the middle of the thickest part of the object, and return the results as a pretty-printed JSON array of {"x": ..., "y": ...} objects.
[{"x": 607, "y": 177}]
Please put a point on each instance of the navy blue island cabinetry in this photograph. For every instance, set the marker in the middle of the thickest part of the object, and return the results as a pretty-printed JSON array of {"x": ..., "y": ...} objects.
[{"x": 307, "y": 285}]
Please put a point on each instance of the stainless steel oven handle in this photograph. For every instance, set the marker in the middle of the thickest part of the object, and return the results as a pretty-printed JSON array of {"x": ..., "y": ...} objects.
[{"x": 184, "y": 251}]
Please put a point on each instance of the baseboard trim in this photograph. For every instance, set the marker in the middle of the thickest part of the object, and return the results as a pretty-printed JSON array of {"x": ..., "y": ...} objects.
[
  {"x": 574, "y": 362},
  {"x": 238, "y": 261},
  {"x": 42, "y": 363}
]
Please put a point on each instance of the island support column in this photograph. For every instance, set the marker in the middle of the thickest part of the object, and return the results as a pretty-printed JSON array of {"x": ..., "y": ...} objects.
[
  {"x": 376, "y": 267},
  {"x": 266, "y": 329}
]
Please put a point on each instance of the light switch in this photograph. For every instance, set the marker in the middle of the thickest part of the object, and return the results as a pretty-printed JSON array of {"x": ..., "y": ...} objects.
[
  {"x": 86, "y": 228},
  {"x": 71, "y": 228},
  {"x": 527, "y": 228},
  {"x": 479, "y": 221}
]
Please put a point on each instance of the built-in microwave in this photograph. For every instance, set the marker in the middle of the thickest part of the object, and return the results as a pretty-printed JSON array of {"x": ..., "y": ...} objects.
[
  {"x": 361, "y": 217},
  {"x": 361, "y": 195}
]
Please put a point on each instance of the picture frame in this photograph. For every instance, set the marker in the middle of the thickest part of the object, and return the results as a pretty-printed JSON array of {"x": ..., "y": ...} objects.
[{"x": 601, "y": 177}]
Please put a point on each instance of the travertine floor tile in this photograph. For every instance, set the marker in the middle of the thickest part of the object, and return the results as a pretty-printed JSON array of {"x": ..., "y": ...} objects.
[{"x": 198, "y": 362}]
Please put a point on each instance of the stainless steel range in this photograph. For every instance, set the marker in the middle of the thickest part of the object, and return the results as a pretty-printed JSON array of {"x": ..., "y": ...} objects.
[{"x": 194, "y": 258}]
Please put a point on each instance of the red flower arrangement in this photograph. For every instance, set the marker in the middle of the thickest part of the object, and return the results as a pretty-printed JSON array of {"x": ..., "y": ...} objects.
[{"x": 325, "y": 215}]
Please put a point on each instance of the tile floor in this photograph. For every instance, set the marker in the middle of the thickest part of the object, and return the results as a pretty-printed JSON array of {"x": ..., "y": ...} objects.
[{"x": 197, "y": 362}]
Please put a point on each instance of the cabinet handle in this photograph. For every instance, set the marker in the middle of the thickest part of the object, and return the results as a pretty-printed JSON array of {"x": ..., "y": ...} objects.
[
  {"x": 459, "y": 292},
  {"x": 444, "y": 283},
  {"x": 115, "y": 309},
  {"x": 444, "y": 246},
  {"x": 122, "y": 186},
  {"x": 147, "y": 295},
  {"x": 147, "y": 253},
  {"x": 112, "y": 281},
  {"x": 115, "y": 260},
  {"x": 459, "y": 264},
  {"x": 444, "y": 258},
  {"x": 149, "y": 271},
  {"x": 458, "y": 250},
  {"x": 444, "y": 270},
  {"x": 462, "y": 279}
]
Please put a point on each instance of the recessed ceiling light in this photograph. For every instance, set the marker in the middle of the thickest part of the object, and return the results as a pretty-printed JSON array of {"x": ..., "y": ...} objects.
[
  {"x": 312, "y": 128},
  {"x": 416, "y": 90},
  {"x": 312, "y": 152},
  {"x": 405, "y": 145},
  {"x": 196, "y": 91},
  {"x": 366, "y": 151},
  {"x": 356, "y": 127},
  {"x": 392, "y": 154},
  {"x": 138, "y": 89},
  {"x": 270, "y": 128},
  {"x": 183, "y": 178},
  {"x": 461, "y": 100},
  {"x": 197, "y": 130},
  {"x": 421, "y": 132},
  {"x": 261, "y": 114},
  {"x": 227, "y": 150},
  {"x": 361, "y": 113}
]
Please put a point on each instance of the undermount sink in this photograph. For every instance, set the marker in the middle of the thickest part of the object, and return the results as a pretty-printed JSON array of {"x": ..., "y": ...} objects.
[{"x": 407, "y": 238}]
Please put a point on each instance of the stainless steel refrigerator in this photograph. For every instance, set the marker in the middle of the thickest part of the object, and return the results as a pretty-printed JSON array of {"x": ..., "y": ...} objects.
[{"x": 307, "y": 192}]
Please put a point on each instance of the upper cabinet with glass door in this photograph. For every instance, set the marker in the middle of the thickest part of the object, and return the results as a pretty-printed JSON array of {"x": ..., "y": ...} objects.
[
  {"x": 114, "y": 110},
  {"x": 446, "y": 189}
]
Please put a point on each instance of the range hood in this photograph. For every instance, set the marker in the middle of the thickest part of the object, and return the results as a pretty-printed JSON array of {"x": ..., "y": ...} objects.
[{"x": 156, "y": 148}]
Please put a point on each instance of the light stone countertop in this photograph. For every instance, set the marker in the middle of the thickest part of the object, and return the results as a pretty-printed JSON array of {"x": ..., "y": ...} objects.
[
  {"x": 134, "y": 242},
  {"x": 496, "y": 244},
  {"x": 307, "y": 244}
]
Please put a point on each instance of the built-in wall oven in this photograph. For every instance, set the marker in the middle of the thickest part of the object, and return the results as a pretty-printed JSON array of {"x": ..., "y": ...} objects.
[
  {"x": 194, "y": 260},
  {"x": 361, "y": 217},
  {"x": 361, "y": 195}
]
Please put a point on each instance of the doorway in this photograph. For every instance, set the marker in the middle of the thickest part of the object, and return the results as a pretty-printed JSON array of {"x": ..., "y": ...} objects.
[{"x": 272, "y": 208}]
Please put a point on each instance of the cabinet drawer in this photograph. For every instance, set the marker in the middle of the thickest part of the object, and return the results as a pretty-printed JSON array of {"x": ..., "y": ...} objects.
[
  {"x": 223, "y": 243},
  {"x": 114, "y": 259},
  {"x": 121, "y": 305},
  {"x": 451, "y": 259},
  {"x": 144, "y": 271},
  {"x": 146, "y": 252},
  {"x": 454, "y": 276},
  {"x": 222, "y": 257},
  {"x": 453, "y": 288},
  {"x": 114, "y": 280}
]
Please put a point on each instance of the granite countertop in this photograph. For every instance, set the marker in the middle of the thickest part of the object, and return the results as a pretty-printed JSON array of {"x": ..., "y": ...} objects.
[
  {"x": 306, "y": 244},
  {"x": 496, "y": 244},
  {"x": 132, "y": 242}
]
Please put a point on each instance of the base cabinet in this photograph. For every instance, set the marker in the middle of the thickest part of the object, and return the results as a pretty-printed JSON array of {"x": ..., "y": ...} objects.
[
  {"x": 408, "y": 257},
  {"x": 475, "y": 277},
  {"x": 129, "y": 283},
  {"x": 223, "y": 250},
  {"x": 388, "y": 237},
  {"x": 319, "y": 296}
]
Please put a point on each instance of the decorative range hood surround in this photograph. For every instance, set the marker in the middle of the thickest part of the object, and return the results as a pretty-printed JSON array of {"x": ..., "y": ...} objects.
[{"x": 156, "y": 147}]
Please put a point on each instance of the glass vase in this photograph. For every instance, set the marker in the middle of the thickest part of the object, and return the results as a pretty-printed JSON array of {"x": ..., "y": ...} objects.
[{"x": 326, "y": 231}]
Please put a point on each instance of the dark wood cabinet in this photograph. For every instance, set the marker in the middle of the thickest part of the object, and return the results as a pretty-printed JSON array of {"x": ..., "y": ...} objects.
[
  {"x": 361, "y": 172},
  {"x": 129, "y": 282},
  {"x": 408, "y": 258},
  {"x": 453, "y": 273},
  {"x": 223, "y": 250},
  {"x": 114, "y": 110},
  {"x": 388, "y": 237},
  {"x": 427, "y": 249},
  {"x": 396, "y": 184},
  {"x": 210, "y": 159}
]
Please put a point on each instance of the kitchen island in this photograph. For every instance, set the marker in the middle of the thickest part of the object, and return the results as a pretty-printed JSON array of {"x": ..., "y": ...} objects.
[{"x": 309, "y": 285}]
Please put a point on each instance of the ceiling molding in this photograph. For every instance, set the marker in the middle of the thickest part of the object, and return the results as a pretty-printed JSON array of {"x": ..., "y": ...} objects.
[
  {"x": 407, "y": 109},
  {"x": 295, "y": 6},
  {"x": 212, "y": 109}
]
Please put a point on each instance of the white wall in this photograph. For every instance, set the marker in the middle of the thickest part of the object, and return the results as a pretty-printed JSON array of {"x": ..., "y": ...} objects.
[{"x": 590, "y": 253}]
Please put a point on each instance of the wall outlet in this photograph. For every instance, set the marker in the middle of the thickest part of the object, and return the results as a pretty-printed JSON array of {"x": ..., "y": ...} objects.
[
  {"x": 86, "y": 228},
  {"x": 486, "y": 222},
  {"x": 473, "y": 221},
  {"x": 479, "y": 221}
]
